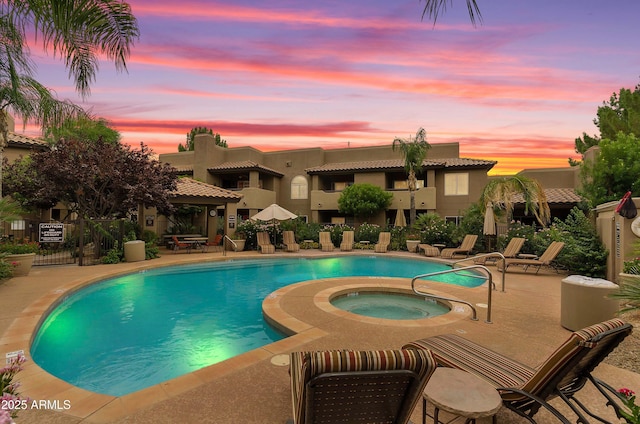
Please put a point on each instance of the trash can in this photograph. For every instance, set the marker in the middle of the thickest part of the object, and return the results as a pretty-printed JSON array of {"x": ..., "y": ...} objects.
[
  {"x": 584, "y": 301},
  {"x": 134, "y": 251}
]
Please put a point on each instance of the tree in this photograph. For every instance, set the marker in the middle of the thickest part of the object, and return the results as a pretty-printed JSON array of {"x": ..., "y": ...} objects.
[
  {"x": 80, "y": 33},
  {"x": 95, "y": 179},
  {"x": 188, "y": 146},
  {"x": 615, "y": 170},
  {"x": 363, "y": 200},
  {"x": 501, "y": 192},
  {"x": 433, "y": 9},
  {"x": 620, "y": 114},
  {"x": 414, "y": 152},
  {"x": 83, "y": 128}
]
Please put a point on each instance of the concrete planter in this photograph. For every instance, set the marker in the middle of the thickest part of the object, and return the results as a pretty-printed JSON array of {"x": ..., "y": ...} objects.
[
  {"x": 239, "y": 245},
  {"x": 412, "y": 245},
  {"x": 24, "y": 262}
]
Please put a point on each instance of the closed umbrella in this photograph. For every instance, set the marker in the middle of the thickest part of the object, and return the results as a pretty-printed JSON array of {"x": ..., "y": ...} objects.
[
  {"x": 400, "y": 221},
  {"x": 489, "y": 227}
]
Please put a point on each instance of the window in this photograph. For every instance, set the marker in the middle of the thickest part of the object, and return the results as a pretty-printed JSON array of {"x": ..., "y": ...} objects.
[
  {"x": 404, "y": 184},
  {"x": 456, "y": 184},
  {"x": 341, "y": 185},
  {"x": 299, "y": 187}
]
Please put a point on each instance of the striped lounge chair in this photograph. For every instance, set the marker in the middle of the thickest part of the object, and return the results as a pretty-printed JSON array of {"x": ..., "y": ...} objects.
[
  {"x": 289, "y": 240},
  {"x": 525, "y": 389},
  {"x": 326, "y": 245},
  {"x": 511, "y": 251},
  {"x": 347, "y": 241},
  {"x": 546, "y": 259},
  {"x": 372, "y": 387},
  {"x": 465, "y": 247},
  {"x": 384, "y": 239},
  {"x": 428, "y": 249},
  {"x": 264, "y": 243}
]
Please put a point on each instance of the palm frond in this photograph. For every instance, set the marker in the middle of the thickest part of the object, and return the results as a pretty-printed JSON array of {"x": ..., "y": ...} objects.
[{"x": 434, "y": 8}]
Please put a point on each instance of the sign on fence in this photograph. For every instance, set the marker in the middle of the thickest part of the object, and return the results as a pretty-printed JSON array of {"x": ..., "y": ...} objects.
[{"x": 51, "y": 233}]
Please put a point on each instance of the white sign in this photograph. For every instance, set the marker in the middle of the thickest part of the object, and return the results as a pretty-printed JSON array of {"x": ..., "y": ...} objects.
[
  {"x": 51, "y": 233},
  {"x": 10, "y": 356}
]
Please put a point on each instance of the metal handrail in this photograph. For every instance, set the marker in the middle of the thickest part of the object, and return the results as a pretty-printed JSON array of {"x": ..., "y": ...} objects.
[
  {"x": 489, "y": 255},
  {"x": 448, "y": 271},
  {"x": 235, "y": 246}
]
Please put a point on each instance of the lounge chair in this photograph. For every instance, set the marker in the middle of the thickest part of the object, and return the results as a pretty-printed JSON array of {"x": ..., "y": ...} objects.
[
  {"x": 545, "y": 259},
  {"x": 383, "y": 242},
  {"x": 465, "y": 247},
  {"x": 264, "y": 243},
  {"x": 347, "y": 241},
  {"x": 177, "y": 245},
  {"x": 358, "y": 386},
  {"x": 428, "y": 249},
  {"x": 325, "y": 242},
  {"x": 216, "y": 244},
  {"x": 511, "y": 251},
  {"x": 525, "y": 389},
  {"x": 289, "y": 240}
]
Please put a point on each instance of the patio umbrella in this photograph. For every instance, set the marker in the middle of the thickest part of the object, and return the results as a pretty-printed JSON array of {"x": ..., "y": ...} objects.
[
  {"x": 400, "y": 221},
  {"x": 273, "y": 213},
  {"x": 489, "y": 227}
]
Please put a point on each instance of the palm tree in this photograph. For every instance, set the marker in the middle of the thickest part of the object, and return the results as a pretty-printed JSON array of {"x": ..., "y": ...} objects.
[
  {"x": 433, "y": 9},
  {"x": 414, "y": 152},
  {"x": 501, "y": 191},
  {"x": 78, "y": 32}
]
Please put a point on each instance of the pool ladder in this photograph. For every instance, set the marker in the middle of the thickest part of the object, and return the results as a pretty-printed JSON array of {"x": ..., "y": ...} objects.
[
  {"x": 224, "y": 250},
  {"x": 482, "y": 268}
]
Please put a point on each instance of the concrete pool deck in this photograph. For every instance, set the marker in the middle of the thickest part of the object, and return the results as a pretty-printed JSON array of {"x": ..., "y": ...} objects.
[{"x": 254, "y": 387}]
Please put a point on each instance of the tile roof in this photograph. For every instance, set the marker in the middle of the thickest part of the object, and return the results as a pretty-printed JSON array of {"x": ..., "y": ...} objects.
[
  {"x": 555, "y": 196},
  {"x": 21, "y": 140},
  {"x": 184, "y": 169},
  {"x": 393, "y": 164},
  {"x": 189, "y": 187},
  {"x": 245, "y": 165}
]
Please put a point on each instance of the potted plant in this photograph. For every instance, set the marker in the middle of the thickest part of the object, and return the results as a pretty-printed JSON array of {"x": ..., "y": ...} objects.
[
  {"x": 412, "y": 240},
  {"x": 239, "y": 239},
  {"x": 19, "y": 255}
]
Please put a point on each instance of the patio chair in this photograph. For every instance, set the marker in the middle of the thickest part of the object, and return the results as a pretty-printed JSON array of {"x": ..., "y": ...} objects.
[
  {"x": 371, "y": 387},
  {"x": 465, "y": 247},
  {"x": 546, "y": 259},
  {"x": 428, "y": 249},
  {"x": 383, "y": 242},
  {"x": 264, "y": 243},
  {"x": 177, "y": 245},
  {"x": 347, "y": 241},
  {"x": 510, "y": 251},
  {"x": 524, "y": 389},
  {"x": 216, "y": 244},
  {"x": 289, "y": 240},
  {"x": 325, "y": 242}
]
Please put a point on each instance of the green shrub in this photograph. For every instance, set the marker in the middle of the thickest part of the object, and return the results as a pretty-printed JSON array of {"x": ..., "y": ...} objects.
[
  {"x": 114, "y": 256},
  {"x": 367, "y": 232},
  {"x": 6, "y": 269},
  {"x": 434, "y": 229},
  {"x": 583, "y": 252},
  {"x": 518, "y": 229}
]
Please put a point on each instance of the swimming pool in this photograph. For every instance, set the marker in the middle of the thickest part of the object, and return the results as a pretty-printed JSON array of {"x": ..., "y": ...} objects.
[{"x": 134, "y": 331}]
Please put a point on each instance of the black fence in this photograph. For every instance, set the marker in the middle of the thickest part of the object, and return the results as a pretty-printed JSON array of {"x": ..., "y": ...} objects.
[{"x": 84, "y": 242}]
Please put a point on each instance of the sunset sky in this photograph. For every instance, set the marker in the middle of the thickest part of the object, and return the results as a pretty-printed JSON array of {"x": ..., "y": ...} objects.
[{"x": 289, "y": 74}]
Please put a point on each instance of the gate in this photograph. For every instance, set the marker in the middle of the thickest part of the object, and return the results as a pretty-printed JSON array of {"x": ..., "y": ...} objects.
[{"x": 73, "y": 241}]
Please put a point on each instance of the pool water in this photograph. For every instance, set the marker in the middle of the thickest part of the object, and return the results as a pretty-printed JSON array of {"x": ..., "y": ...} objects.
[
  {"x": 131, "y": 332},
  {"x": 389, "y": 305}
]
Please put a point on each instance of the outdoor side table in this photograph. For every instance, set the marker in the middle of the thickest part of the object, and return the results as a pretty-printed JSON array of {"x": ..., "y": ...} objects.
[{"x": 460, "y": 393}]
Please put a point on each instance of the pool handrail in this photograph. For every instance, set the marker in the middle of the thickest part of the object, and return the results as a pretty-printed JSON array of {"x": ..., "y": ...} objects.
[
  {"x": 474, "y": 316},
  {"x": 235, "y": 246},
  {"x": 489, "y": 255}
]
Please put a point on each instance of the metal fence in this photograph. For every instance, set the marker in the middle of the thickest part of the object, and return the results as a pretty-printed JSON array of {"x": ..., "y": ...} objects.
[{"x": 84, "y": 242}]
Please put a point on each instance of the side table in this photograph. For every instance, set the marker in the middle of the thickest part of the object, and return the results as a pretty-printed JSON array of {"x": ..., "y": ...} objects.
[{"x": 460, "y": 393}]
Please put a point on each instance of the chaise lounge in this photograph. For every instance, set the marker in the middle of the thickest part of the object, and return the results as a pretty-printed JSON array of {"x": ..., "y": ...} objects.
[
  {"x": 372, "y": 387},
  {"x": 511, "y": 251},
  {"x": 326, "y": 245},
  {"x": 264, "y": 243},
  {"x": 546, "y": 259},
  {"x": 347, "y": 241},
  {"x": 465, "y": 247},
  {"x": 289, "y": 240},
  {"x": 525, "y": 389},
  {"x": 384, "y": 239}
]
